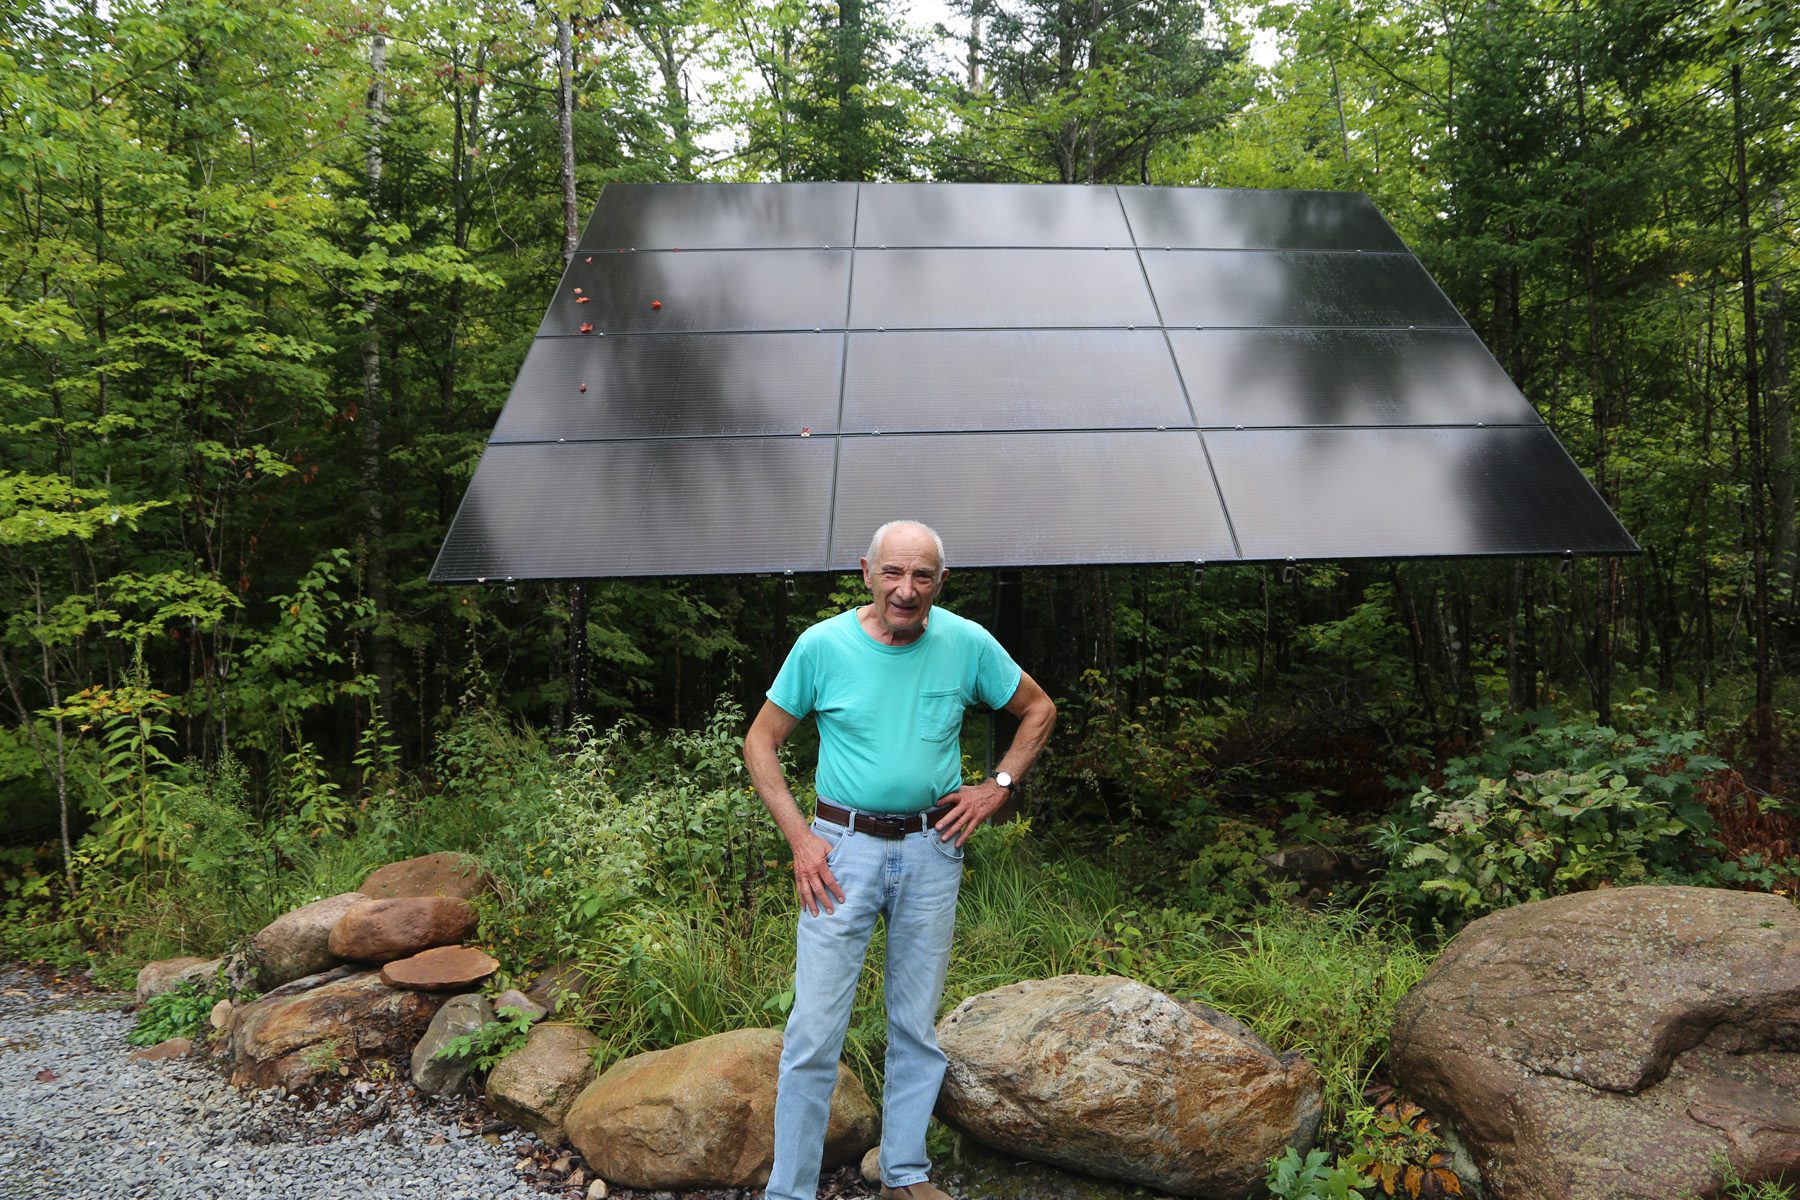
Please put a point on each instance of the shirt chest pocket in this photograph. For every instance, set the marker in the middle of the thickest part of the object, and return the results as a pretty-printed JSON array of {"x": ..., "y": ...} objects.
[{"x": 940, "y": 715}]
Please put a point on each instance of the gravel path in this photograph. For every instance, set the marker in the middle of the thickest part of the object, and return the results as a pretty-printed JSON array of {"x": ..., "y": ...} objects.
[{"x": 80, "y": 1121}]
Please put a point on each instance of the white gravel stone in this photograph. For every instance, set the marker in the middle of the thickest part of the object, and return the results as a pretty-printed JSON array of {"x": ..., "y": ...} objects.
[{"x": 106, "y": 1128}]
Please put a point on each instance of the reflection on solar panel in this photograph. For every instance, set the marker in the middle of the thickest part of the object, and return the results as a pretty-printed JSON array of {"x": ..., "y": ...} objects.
[{"x": 751, "y": 377}]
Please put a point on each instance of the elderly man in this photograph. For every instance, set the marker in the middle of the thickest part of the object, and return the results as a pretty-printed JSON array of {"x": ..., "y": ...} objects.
[{"x": 888, "y": 683}]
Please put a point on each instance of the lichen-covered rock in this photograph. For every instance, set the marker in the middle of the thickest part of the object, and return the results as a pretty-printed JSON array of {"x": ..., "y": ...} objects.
[
  {"x": 1112, "y": 1078},
  {"x": 449, "y": 874},
  {"x": 167, "y": 974},
  {"x": 380, "y": 931},
  {"x": 514, "y": 999},
  {"x": 703, "y": 1115},
  {"x": 1608, "y": 1045},
  {"x": 296, "y": 1040},
  {"x": 298, "y": 943},
  {"x": 534, "y": 1086}
]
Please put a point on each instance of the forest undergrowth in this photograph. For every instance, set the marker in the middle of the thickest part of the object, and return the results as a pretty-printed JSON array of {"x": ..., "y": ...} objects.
[{"x": 641, "y": 864}]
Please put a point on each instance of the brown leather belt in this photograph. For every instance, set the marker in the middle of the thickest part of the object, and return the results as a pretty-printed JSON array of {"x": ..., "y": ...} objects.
[{"x": 882, "y": 827}]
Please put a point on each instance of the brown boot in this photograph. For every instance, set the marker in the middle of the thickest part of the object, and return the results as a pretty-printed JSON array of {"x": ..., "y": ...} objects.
[{"x": 915, "y": 1191}]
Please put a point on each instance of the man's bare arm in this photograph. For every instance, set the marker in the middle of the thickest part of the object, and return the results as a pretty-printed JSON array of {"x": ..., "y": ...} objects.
[
  {"x": 975, "y": 803},
  {"x": 813, "y": 880}
]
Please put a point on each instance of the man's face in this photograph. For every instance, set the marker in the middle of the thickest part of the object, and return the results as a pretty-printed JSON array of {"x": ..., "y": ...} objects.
[{"x": 905, "y": 581}]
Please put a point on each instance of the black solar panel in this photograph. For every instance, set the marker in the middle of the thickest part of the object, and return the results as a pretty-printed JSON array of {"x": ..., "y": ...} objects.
[
  {"x": 1222, "y": 219},
  {"x": 1260, "y": 289},
  {"x": 971, "y": 380},
  {"x": 1385, "y": 493},
  {"x": 668, "y": 291},
  {"x": 989, "y": 214},
  {"x": 658, "y": 507},
  {"x": 751, "y": 377},
  {"x": 674, "y": 385},
  {"x": 1035, "y": 499},
  {"x": 1283, "y": 377},
  {"x": 721, "y": 216},
  {"x": 998, "y": 289}
]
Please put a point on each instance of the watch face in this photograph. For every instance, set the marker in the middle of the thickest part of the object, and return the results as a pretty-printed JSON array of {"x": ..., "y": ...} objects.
[{"x": 1003, "y": 779}]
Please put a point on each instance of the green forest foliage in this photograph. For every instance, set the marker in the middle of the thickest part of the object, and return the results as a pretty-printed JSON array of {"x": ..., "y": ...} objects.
[{"x": 268, "y": 272}]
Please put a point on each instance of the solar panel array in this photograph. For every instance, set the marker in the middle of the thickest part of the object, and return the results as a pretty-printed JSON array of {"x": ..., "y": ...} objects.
[{"x": 751, "y": 377}]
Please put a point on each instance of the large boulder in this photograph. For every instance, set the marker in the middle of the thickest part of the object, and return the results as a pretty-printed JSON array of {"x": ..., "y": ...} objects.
[
  {"x": 298, "y": 943},
  {"x": 167, "y": 974},
  {"x": 703, "y": 1115},
  {"x": 1109, "y": 1077},
  {"x": 1608, "y": 1045},
  {"x": 296, "y": 1040},
  {"x": 449, "y": 874},
  {"x": 534, "y": 1086},
  {"x": 460, "y": 1016},
  {"x": 381, "y": 931}
]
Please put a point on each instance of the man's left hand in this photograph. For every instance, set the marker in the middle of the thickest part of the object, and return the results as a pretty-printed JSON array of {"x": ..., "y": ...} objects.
[{"x": 970, "y": 805}]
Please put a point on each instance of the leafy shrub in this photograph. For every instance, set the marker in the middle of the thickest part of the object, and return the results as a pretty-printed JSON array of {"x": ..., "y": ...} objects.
[
  {"x": 1542, "y": 810},
  {"x": 1226, "y": 877},
  {"x": 1397, "y": 1143},
  {"x": 179, "y": 1012},
  {"x": 492, "y": 1042},
  {"x": 1315, "y": 1177},
  {"x": 1151, "y": 761}
]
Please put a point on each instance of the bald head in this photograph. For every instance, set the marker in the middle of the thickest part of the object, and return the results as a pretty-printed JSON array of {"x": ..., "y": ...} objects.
[{"x": 916, "y": 527}]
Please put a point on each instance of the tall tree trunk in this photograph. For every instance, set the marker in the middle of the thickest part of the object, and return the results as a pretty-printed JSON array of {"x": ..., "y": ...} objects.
[
  {"x": 369, "y": 415},
  {"x": 1607, "y": 583},
  {"x": 1759, "y": 562},
  {"x": 978, "y": 13},
  {"x": 565, "y": 129},
  {"x": 1780, "y": 400}
]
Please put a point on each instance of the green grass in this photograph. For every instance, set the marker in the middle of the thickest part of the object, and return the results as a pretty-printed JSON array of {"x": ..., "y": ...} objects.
[{"x": 1324, "y": 983}]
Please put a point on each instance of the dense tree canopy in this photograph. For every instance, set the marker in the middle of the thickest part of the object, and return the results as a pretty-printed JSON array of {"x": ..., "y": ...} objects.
[{"x": 269, "y": 270}]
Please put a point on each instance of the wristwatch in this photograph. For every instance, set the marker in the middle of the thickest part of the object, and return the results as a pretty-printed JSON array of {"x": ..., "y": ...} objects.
[{"x": 1006, "y": 781}]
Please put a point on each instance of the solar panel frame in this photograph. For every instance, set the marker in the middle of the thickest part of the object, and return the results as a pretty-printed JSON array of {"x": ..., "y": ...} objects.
[{"x": 1053, "y": 375}]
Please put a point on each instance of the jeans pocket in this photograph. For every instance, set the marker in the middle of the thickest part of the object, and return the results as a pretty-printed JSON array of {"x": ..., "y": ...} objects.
[
  {"x": 837, "y": 835},
  {"x": 949, "y": 849}
]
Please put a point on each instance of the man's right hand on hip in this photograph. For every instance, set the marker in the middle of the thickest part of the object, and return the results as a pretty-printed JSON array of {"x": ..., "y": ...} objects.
[{"x": 813, "y": 881}]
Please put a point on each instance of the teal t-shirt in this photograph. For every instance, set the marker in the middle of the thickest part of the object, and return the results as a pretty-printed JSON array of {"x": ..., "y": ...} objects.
[{"x": 889, "y": 716}]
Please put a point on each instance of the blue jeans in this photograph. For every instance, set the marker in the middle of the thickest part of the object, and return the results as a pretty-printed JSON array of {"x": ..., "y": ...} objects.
[{"x": 912, "y": 883}]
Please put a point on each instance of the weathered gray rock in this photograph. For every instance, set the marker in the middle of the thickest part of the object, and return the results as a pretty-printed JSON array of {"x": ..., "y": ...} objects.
[
  {"x": 560, "y": 988},
  {"x": 167, "y": 974},
  {"x": 380, "y": 931},
  {"x": 441, "y": 969},
  {"x": 1112, "y": 1078},
  {"x": 459, "y": 1017},
  {"x": 296, "y": 1040},
  {"x": 515, "y": 999},
  {"x": 534, "y": 1086},
  {"x": 1606, "y": 1045},
  {"x": 449, "y": 874},
  {"x": 703, "y": 1115},
  {"x": 298, "y": 943}
]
